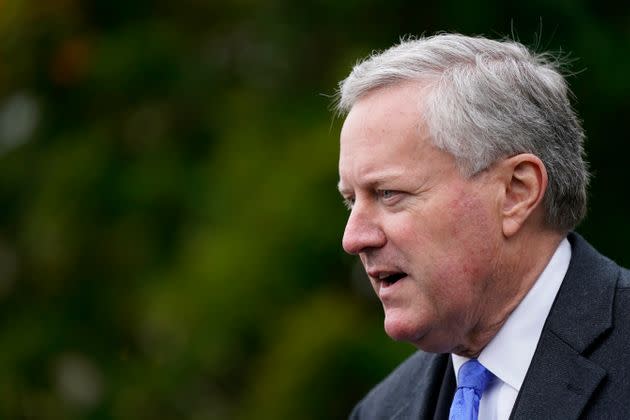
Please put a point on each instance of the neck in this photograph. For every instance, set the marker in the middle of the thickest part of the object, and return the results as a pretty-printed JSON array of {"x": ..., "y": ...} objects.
[{"x": 522, "y": 261}]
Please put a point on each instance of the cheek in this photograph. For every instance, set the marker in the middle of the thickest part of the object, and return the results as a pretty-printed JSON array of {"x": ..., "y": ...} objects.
[
  {"x": 448, "y": 239},
  {"x": 473, "y": 224},
  {"x": 461, "y": 244}
]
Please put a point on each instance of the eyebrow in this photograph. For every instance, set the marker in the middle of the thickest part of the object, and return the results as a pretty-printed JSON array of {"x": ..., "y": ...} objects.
[
  {"x": 341, "y": 188},
  {"x": 374, "y": 179}
]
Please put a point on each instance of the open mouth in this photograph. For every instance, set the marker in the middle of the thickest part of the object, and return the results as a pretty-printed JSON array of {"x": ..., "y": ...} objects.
[{"x": 393, "y": 278}]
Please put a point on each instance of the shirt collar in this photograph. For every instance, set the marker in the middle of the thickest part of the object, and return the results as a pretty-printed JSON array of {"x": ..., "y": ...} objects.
[{"x": 509, "y": 354}]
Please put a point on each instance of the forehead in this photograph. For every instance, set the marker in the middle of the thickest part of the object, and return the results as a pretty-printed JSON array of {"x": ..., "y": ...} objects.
[
  {"x": 383, "y": 135},
  {"x": 386, "y": 105}
]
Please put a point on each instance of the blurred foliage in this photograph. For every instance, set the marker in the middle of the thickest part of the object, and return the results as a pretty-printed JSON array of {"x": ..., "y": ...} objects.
[{"x": 170, "y": 228}]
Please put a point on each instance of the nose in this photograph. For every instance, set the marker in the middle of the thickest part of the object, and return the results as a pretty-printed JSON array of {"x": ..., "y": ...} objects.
[{"x": 362, "y": 232}]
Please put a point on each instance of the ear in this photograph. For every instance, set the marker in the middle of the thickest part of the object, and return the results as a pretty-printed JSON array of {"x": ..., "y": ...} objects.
[{"x": 525, "y": 181}]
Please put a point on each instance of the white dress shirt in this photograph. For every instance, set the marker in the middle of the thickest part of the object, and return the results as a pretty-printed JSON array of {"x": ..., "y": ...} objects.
[{"x": 510, "y": 352}]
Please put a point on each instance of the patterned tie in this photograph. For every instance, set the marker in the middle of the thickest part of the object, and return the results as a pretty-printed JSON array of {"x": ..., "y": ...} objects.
[{"x": 472, "y": 380}]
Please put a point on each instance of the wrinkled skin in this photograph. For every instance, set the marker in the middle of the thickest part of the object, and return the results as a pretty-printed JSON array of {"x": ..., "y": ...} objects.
[{"x": 413, "y": 212}]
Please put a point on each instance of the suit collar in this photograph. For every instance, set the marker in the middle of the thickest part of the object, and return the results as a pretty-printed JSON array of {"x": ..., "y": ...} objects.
[
  {"x": 561, "y": 379},
  {"x": 584, "y": 305}
]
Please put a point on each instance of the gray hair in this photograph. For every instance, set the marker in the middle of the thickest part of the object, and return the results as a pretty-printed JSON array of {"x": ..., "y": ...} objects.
[{"x": 487, "y": 100}]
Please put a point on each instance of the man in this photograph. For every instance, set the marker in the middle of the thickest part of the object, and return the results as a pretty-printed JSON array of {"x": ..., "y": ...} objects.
[{"x": 461, "y": 161}]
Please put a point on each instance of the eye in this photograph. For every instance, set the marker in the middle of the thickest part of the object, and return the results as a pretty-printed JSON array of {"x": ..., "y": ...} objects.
[{"x": 388, "y": 196}]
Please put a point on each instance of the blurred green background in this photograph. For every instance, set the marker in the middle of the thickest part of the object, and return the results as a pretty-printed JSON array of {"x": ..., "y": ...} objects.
[{"x": 170, "y": 230}]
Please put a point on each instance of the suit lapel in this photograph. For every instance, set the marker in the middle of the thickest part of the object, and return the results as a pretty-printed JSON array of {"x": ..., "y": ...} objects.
[
  {"x": 559, "y": 383},
  {"x": 447, "y": 391},
  {"x": 430, "y": 393},
  {"x": 561, "y": 379}
]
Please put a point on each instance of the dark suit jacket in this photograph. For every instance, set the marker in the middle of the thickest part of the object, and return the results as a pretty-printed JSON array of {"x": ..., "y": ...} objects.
[{"x": 580, "y": 369}]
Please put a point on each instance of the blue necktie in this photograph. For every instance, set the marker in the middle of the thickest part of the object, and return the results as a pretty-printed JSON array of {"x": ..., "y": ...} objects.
[{"x": 472, "y": 380}]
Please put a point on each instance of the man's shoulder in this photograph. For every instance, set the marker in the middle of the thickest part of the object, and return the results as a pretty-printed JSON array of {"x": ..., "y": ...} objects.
[
  {"x": 416, "y": 380},
  {"x": 624, "y": 279},
  {"x": 589, "y": 257}
]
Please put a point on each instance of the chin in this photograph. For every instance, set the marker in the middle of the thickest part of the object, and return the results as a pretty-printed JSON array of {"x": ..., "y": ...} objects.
[
  {"x": 418, "y": 333},
  {"x": 403, "y": 328}
]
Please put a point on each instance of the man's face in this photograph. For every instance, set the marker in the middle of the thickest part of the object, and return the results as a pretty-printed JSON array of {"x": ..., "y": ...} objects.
[{"x": 428, "y": 237}]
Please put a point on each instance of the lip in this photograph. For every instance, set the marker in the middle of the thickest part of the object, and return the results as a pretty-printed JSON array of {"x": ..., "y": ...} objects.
[
  {"x": 383, "y": 289},
  {"x": 386, "y": 289},
  {"x": 378, "y": 274}
]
